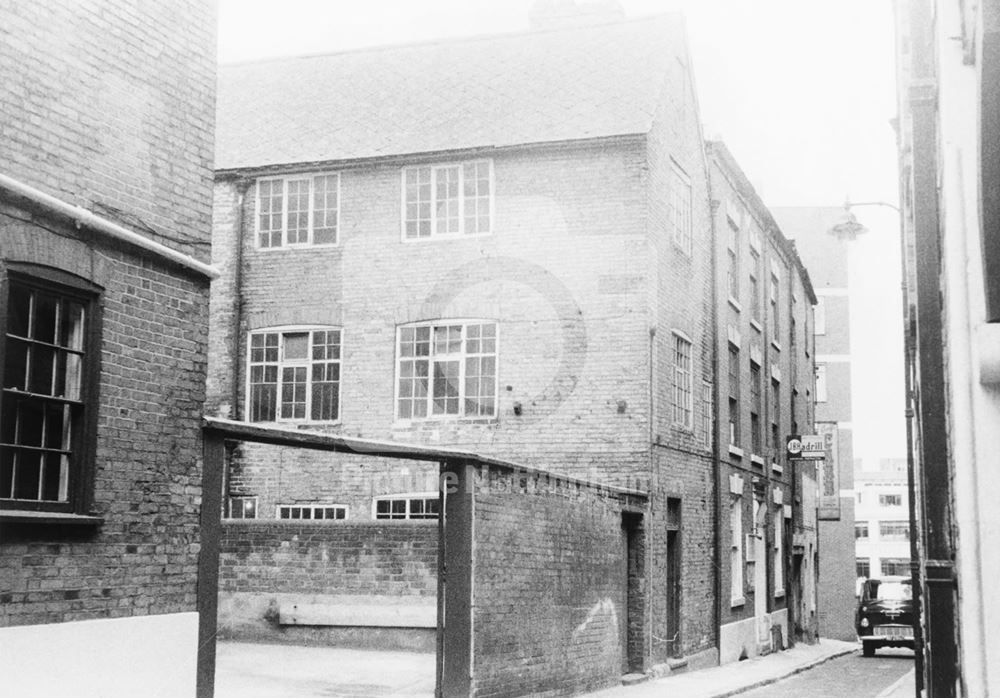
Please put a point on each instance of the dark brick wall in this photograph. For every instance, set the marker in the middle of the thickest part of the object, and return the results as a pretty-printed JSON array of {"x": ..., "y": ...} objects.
[
  {"x": 109, "y": 104},
  {"x": 549, "y": 586}
]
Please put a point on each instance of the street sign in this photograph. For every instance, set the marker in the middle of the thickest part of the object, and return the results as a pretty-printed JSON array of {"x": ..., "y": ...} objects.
[{"x": 805, "y": 447}]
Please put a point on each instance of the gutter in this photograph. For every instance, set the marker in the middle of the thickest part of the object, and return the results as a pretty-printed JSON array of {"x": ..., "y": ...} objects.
[{"x": 84, "y": 218}]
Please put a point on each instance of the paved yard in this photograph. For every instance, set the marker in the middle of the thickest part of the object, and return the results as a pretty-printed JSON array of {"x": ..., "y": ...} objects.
[{"x": 247, "y": 670}]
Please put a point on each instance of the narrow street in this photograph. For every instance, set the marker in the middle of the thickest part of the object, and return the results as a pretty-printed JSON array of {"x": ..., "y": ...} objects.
[{"x": 850, "y": 675}]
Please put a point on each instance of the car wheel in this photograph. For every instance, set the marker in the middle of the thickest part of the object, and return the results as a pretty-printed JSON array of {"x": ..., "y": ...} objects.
[{"x": 868, "y": 649}]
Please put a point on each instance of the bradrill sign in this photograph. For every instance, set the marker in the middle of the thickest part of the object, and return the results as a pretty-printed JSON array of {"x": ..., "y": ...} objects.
[{"x": 821, "y": 448}]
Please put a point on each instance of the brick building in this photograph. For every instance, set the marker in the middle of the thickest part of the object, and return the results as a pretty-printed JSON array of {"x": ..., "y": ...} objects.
[
  {"x": 501, "y": 244},
  {"x": 826, "y": 255},
  {"x": 105, "y": 206},
  {"x": 764, "y": 392}
]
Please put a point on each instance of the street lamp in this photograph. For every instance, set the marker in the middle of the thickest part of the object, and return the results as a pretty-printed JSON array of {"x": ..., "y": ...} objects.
[{"x": 849, "y": 228}]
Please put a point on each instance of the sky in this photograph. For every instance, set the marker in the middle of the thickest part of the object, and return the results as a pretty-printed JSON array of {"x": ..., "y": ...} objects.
[{"x": 801, "y": 91}]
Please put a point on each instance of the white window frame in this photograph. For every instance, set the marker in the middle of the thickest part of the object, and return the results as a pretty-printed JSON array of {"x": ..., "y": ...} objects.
[
  {"x": 310, "y": 226},
  {"x": 435, "y": 169},
  {"x": 683, "y": 384},
  {"x": 243, "y": 500},
  {"x": 901, "y": 534},
  {"x": 312, "y": 508},
  {"x": 306, "y": 363},
  {"x": 884, "y": 496},
  {"x": 708, "y": 413},
  {"x": 736, "y": 561},
  {"x": 460, "y": 357},
  {"x": 405, "y": 497},
  {"x": 821, "y": 394},
  {"x": 681, "y": 211}
]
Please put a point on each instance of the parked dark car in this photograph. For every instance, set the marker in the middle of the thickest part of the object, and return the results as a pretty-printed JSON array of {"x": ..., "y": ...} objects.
[{"x": 885, "y": 614}]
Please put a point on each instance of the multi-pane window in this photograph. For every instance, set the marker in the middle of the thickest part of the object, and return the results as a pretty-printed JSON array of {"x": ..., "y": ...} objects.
[
  {"x": 756, "y": 410},
  {"x": 775, "y": 317},
  {"x": 779, "y": 554},
  {"x": 736, "y": 549},
  {"x": 683, "y": 391},
  {"x": 754, "y": 285},
  {"x": 680, "y": 208},
  {"x": 311, "y": 511},
  {"x": 707, "y": 412},
  {"x": 821, "y": 382},
  {"x": 734, "y": 395},
  {"x": 43, "y": 410},
  {"x": 294, "y": 375},
  {"x": 447, "y": 200},
  {"x": 447, "y": 370},
  {"x": 861, "y": 530},
  {"x": 408, "y": 506},
  {"x": 894, "y": 530},
  {"x": 241, "y": 507},
  {"x": 775, "y": 419},
  {"x": 863, "y": 567},
  {"x": 298, "y": 210},
  {"x": 733, "y": 251},
  {"x": 890, "y": 500}
]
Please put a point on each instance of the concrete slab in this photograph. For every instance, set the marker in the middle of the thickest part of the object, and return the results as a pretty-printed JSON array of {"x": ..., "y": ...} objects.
[{"x": 247, "y": 670}]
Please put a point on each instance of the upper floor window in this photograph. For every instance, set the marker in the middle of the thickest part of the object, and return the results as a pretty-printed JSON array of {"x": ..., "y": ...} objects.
[
  {"x": 447, "y": 200},
  {"x": 733, "y": 251},
  {"x": 775, "y": 316},
  {"x": 861, "y": 530},
  {"x": 294, "y": 374},
  {"x": 683, "y": 391},
  {"x": 734, "y": 395},
  {"x": 50, "y": 352},
  {"x": 756, "y": 410},
  {"x": 298, "y": 210},
  {"x": 890, "y": 500},
  {"x": 423, "y": 505},
  {"x": 754, "y": 285},
  {"x": 894, "y": 530},
  {"x": 447, "y": 369},
  {"x": 707, "y": 413},
  {"x": 680, "y": 208}
]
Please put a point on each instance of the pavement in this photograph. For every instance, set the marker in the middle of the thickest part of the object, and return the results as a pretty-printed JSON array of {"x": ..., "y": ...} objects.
[
  {"x": 247, "y": 670},
  {"x": 737, "y": 677}
]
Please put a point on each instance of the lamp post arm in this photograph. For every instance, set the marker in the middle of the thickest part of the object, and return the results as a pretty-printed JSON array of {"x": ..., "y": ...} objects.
[{"x": 851, "y": 204}]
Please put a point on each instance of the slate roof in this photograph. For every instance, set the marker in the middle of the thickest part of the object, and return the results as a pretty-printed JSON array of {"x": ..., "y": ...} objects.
[{"x": 492, "y": 91}]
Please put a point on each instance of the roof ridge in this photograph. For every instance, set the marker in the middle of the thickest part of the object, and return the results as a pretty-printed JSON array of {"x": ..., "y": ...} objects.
[{"x": 450, "y": 40}]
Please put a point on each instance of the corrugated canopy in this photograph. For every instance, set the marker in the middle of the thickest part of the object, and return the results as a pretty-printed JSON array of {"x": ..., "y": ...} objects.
[{"x": 494, "y": 91}]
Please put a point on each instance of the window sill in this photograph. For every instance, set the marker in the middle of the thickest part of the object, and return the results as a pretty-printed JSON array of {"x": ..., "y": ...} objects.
[
  {"x": 777, "y": 467},
  {"x": 48, "y": 517},
  {"x": 288, "y": 248},
  {"x": 735, "y": 603},
  {"x": 735, "y": 451},
  {"x": 756, "y": 325},
  {"x": 736, "y": 305},
  {"x": 438, "y": 421},
  {"x": 756, "y": 460},
  {"x": 441, "y": 238},
  {"x": 779, "y": 593},
  {"x": 775, "y": 345}
]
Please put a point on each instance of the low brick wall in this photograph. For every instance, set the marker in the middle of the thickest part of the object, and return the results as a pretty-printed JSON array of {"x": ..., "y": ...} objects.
[{"x": 303, "y": 582}]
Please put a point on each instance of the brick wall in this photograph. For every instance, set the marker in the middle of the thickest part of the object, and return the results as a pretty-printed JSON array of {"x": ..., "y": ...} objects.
[
  {"x": 265, "y": 568},
  {"x": 550, "y": 580},
  {"x": 110, "y": 105}
]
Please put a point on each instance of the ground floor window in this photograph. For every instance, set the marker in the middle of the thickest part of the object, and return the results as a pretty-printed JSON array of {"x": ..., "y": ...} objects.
[
  {"x": 312, "y": 511},
  {"x": 895, "y": 566},
  {"x": 423, "y": 505},
  {"x": 242, "y": 507}
]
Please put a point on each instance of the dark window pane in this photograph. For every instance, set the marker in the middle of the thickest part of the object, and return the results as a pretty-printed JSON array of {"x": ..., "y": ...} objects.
[
  {"x": 16, "y": 365},
  {"x": 27, "y": 472},
  {"x": 6, "y": 472},
  {"x": 18, "y": 310},
  {"x": 51, "y": 477},
  {"x": 41, "y": 370},
  {"x": 44, "y": 329},
  {"x": 30, "y": 420}
]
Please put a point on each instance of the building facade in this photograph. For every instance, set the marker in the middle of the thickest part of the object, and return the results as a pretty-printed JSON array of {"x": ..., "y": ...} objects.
[
  {"x": 947, "y": 71},
  {"x": 826, "y": 257},
  {"x": 524, "y": 271},
  {"x": 105, "y": 210},
  {"x": 764, "y": 393},
  {"x": 882, "y": 520}
]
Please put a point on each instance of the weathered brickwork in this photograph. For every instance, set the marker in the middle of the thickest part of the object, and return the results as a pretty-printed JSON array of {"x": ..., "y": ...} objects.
[
  {"x": 550, "y": 579},
  {"x": 109, "y": 105}
]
